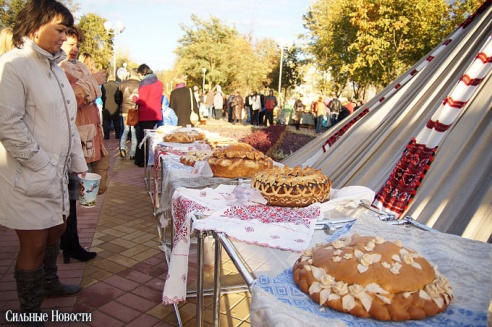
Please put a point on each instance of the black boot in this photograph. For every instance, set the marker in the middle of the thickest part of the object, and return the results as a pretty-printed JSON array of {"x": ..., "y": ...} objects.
[
  {"x": 30, "y": 292},
  {"x": 70, "y": 239},
  {"x": 51, "y": 283}
]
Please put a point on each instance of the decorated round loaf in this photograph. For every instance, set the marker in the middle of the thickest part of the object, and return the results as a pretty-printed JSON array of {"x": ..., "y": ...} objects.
[
  {"x": 193, "y": 156},
  {"x": 370, "y": 277},
  {"x": 179, "y": 137},
  {"x": 292, "y": 187},
  {"x": 238, "y": 160}
]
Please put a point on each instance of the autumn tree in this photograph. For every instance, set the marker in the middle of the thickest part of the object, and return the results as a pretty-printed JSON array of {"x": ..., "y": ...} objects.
[
  {"x": 373, "y": 42},
  {"x": 251, "y": 61},
  {"x": 330, "y": 35},
  {"x": 205, "y": 45},
  {"x": 393, "y": 35},
  {"x": 232, "y": 60}
]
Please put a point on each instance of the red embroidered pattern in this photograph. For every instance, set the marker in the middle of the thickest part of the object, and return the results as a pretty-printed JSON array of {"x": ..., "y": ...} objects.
[
  {"x": 437, "y": 125},
  {"x": 180, "y": 209},
  {"x": 271, "y": 215},
  {"x": 335, "y": 137},
  {"x": 406, "y": 177}
]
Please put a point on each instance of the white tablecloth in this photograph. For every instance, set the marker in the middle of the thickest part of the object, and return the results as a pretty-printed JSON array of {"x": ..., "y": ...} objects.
[
  {"x": 467, "y": 264},
  {"x": 284, "y": 228}
]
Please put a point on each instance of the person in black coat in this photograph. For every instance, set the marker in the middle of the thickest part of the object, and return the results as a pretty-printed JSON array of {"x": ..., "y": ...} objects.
[
  {"x": 111, "y": 109},
  {"x": 344, "y": 112}
]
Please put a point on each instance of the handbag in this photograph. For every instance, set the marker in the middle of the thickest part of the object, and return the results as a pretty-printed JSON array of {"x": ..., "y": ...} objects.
[
  {"x": 194, "y": 119},
  {"x": 132, "y": 117},
  {"x": 87, "y": 134}
]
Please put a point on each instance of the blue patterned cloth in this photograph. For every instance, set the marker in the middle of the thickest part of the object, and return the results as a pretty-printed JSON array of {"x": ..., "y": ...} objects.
[{"x": 283, "y": 288}]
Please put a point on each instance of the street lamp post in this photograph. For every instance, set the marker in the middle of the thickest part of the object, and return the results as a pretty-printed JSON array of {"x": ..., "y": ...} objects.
[
  {"x": 203, "y": 84},
  {"x": 280, "y": 75},
  {"x": 117, "y": 29}
]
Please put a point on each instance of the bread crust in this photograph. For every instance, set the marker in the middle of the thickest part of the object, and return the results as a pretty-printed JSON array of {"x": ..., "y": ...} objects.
[
  {"x": 193, "y": 156},
  {"x": 292, "y": 187},
  {"x": 238, "y": 160},
  {"x": 370, "y": 277},
  {"x": 179, "y": 137}
]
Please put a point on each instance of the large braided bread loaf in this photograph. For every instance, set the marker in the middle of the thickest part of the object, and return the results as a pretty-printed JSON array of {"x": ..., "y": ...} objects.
[
  {"x": 369, "y": 277},
  {"x": 292, "y": 187}
]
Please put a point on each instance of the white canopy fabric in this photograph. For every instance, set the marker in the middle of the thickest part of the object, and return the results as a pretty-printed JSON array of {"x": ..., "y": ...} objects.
[{"x": 455, "y": 193}]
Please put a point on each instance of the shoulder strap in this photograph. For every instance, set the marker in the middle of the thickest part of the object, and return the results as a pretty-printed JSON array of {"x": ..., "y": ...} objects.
[{"x": 191, "y": 100}]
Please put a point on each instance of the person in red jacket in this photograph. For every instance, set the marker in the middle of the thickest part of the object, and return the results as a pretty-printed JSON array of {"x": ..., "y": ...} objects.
[{"x": 148, "y": 101}]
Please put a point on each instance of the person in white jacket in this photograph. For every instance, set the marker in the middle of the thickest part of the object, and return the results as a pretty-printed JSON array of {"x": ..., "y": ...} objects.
[
  {"x": 218, "y": 102},
  {"x": 39, "y": 145}
]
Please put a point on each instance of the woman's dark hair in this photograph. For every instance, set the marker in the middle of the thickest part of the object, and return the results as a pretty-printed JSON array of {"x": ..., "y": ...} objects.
[
  {"x": 37, "y": 13},
  {"x": 144, "y": 70},
  {"x": 74, "y": 32}
]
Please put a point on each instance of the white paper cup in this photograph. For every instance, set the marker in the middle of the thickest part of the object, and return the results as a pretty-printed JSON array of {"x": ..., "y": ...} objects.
[{"x": 89, "y": 186}]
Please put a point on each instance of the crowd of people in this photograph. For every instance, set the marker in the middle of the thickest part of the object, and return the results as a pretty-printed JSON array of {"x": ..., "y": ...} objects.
[
  {"x": 327, "y": 112},
  {"x": 258, "y": 110},
  {"x": 255, "y": 108}
]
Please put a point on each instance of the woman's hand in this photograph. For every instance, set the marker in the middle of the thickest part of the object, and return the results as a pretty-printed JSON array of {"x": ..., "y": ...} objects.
[
  {"x": 72, "y": 79},
  {"x": 100, "y": 76}
]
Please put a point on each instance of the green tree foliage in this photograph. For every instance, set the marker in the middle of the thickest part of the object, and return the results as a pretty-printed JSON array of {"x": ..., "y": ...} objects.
[
  {"x": 393, "y": 35},
  {"x": 8, "y": 11},
  {"x": 264, "y": 59},
  {"x": 99, "y": 44},
  {"x": 291, "y": 70},
  {"x": 251, "y": 60},
  {"x": 461, "y": 10},
  {"x": 371, "y": 42},
  {"x": 330, "y": 37},
  {"x": 97, "y": 41},
  {"x": 10, "y": 8},
  {"x": 205, "y": 45},
  {"x": 234, "y": 61}
]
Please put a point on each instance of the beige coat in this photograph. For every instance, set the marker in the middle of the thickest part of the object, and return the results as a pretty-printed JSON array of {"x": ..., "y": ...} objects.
[
  {"x": 39, "y": 142},
  {"x": 238, "y": 106},
  {"x": 86, "y": 91}
]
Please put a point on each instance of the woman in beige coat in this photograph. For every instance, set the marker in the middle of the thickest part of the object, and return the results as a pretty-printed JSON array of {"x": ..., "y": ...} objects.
[
  {"x": 237, "y": 108},
  {"x": 39, "y": 145},
  {"x": 86, "y": 88}
]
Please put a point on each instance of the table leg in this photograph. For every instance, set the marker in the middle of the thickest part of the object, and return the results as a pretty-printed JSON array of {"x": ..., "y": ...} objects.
[
  {"x": 200, "y": 279},
  {"x": 217, "y": 274}
]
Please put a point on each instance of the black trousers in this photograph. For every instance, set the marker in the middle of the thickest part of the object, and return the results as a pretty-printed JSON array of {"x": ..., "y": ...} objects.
[
  {"x": 109, "y": 120},
  {"x": 140, "y": 158},
  {"x": 269, "y": 117},
  {"x": 255, "y": 118}
]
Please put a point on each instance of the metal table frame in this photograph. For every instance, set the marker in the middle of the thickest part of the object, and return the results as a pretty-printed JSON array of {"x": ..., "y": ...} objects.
[{"x": 222, "y": 241}]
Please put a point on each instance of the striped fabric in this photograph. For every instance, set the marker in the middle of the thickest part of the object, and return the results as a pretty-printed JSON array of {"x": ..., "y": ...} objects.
[
  {"x": 441, "y": 120},
  {"x": 386, "y": 94},
  {"x": 409, "y": 172}
]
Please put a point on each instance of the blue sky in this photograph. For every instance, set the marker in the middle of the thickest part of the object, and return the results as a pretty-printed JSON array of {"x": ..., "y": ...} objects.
[{"x": 152, "y": 27}]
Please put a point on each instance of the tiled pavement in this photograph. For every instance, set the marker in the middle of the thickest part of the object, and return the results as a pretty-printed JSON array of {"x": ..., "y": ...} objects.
[{"x": 123, "y": 284}]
